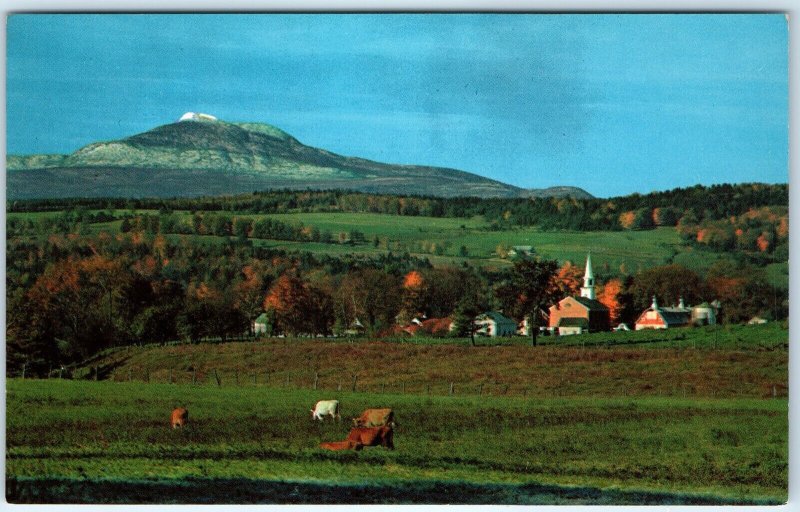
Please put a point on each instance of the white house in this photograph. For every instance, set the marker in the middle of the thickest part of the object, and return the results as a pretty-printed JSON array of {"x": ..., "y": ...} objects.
[
  {"x": 260, "y": 324},
  {"x": 494, "y": 324}
]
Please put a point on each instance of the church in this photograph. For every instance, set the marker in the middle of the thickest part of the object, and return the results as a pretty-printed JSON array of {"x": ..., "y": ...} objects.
[{"x": 576, "y": 315}]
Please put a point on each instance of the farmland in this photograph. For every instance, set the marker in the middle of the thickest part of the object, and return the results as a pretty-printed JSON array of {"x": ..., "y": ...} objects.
[
  {"x": 690, "y": 416},
  {"x": 100, "y": 436},
  {"x": 441, "y": 239}
]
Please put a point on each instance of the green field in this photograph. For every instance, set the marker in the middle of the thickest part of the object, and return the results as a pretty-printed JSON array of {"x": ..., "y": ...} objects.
[
  {"x": 441, "y": 240},
  {"x": 111, "y": 442}
]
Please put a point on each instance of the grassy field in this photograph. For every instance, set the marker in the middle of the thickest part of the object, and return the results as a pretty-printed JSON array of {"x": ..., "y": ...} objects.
[
  {"x": 85, "y": 441},
  {"x": 741, "y": 361},
  {"x": 441, "y": 241}
]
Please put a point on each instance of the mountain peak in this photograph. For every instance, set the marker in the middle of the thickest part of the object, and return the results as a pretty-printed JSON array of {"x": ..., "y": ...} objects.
[{"x": 197, "y": 116}]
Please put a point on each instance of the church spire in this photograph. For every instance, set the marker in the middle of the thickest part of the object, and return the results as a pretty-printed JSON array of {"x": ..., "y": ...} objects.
[{"x": 588, "y": 279}]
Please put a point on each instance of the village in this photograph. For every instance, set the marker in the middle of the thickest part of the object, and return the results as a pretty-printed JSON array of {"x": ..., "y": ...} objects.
[{"x": 572, "y": 315}]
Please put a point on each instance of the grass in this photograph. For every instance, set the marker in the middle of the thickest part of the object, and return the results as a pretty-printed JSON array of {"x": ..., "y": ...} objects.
[
  {"x": 106, "y": 433},
  {"x": 747, "y": 361},
  {"x": 441, "y": 240}
]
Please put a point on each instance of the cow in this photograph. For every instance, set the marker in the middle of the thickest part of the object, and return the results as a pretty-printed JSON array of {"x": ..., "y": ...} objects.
[
  {"x": 326, "y": 408},
  {"x": 359, "y": 437},
  {"x": 180, "y": 417},
  {"x": 375, "y": 418}
]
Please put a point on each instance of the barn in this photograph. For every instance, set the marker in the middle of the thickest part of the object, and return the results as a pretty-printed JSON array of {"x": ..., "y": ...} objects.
[{"x": 664, "y": 318}]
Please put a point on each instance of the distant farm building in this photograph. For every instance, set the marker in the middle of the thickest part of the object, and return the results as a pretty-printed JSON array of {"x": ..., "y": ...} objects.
[
  {"x": 757, "y": 320},
  {"x": 521, "y": 250},
  {"x": 576, "y": 315},
  {"x": 494, "y": 324},
  {"x": 657, "y": 317},
  {"x": 260, "y": 324}
]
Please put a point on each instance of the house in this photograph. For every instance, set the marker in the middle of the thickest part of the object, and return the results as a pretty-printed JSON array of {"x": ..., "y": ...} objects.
[
  {"x": 494, "y": 324},
  {"x": 355, "y": 328},
  {"x": 576, "y": 315},
  {"x": 261, "y": 324},
  {"x": 572, "y": 325},
  {"x": 664, "y": 318},
  {"x": 621, "y": 327},
  {"x": 521, "y": 250}
]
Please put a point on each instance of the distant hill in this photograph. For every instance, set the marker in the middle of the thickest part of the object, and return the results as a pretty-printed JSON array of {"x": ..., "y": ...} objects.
[{"x": 204, "y": 156}]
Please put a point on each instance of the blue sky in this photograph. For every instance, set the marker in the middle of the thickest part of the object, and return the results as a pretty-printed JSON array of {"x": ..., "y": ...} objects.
[{"x": 612, "y": 103}]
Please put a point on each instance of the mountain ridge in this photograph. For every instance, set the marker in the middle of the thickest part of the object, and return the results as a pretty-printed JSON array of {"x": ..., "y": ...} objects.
[{"x": 201, "y": 157}]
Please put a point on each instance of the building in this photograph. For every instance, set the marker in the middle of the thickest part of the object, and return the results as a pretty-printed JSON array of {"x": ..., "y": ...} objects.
[
  {"x": 657, "y": 317},
  {"x": 664, "y": 318},
  {"x": 704, "y": 314},
  {"x": 260, "y": 324},
  {"x": 494, "y": 324},
  {"x": 576, "y": 315}
]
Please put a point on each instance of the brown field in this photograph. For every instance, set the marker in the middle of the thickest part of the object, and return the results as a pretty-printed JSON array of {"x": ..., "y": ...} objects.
[{"x": 418, "y": 368}]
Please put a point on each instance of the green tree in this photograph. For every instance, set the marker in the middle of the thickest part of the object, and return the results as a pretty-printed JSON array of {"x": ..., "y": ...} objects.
[{"x": 528, "y": 290}]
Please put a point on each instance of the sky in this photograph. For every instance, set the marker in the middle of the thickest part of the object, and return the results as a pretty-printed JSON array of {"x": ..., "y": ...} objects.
[{"x": 614, "y": 104}]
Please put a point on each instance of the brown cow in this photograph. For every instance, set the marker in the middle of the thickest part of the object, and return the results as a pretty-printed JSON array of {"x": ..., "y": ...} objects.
[
  {"x": 180, "y": 417},
  {"x": 360, "y": 437},
  {"x": 375, "y": 418}
]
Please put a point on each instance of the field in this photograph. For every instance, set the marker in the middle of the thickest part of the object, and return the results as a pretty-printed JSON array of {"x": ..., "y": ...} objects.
[
  {"x": 441, "y": 240},
  {"x": 670, "y": 420}
]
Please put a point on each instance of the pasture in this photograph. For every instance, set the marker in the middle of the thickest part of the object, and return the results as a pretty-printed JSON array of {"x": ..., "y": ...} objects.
[
  {"x": 441, "y": 239},
  {"x": 110, "y": 442}
]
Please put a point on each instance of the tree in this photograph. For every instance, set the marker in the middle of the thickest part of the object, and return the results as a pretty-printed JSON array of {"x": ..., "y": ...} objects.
[
  {"x": 528, "y": 290},
  {"x": 471, "y": 305},
  {"x": 669, "y": 283}
]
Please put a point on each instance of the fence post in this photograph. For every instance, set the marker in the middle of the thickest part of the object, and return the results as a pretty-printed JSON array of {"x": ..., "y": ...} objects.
[
  {"x": 383, "y": 387},
  {"x": 480, "y": 389},
  {"x": 316, "y": 379},
  {"x": 428, "y": 388},
  {"x": 287, "y": 380},
  {"x": 774, "y": 392},
  {"x": 147, "y": 375},
  {"x": 403, "y": 387},
  {"x": 61, "y": 371},
  {"x": 255, "y": 378},
  {"x": 339, "y": 387},
  {"x": 170, "y": 375},
  {"x": 451, "y": 388},
  {"x": 95, "y": 374},
  {"x": 129, "y": 375},
  {"x": 355, "y": 380},
  {"x": 24, "y": 367},
  {"x": 216, "y": 377},
  {"x": 194, "y": 376},
  {"x": 50, "y": 370}
]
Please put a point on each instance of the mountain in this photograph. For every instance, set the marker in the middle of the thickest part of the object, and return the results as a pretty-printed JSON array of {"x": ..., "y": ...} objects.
[{"x": 204, "y": 156}]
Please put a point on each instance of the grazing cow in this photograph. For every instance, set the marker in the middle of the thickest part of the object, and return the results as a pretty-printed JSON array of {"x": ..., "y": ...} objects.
[
  {"x": 326, "y": 408},
  {"x": 180, "y": 417},
  {"x": 360, "y": 437},
  {"x": 375, "y": 418}
]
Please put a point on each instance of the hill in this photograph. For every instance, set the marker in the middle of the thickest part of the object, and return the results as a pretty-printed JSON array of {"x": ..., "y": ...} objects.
[{"x": 211, "y": 157}]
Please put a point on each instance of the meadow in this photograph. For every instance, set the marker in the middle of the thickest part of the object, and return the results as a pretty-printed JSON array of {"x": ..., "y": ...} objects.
[
  {"x": 441, "y": 239},
  {"x": 84, "y": 441}
]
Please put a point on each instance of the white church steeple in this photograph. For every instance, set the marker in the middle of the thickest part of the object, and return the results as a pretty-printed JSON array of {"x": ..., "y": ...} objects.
[{"x": 587, "y": 290}]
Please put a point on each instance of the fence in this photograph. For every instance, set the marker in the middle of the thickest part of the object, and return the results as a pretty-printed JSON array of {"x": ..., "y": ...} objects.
[{"x": 364, "y": 384}]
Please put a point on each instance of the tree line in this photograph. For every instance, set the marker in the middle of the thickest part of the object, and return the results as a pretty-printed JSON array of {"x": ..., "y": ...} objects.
[
  {"x": 636, "y": 211},
  {"x": 72, "y": 295}
]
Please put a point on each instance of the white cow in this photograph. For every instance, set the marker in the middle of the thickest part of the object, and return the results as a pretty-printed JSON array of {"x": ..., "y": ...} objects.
[{"x": 326, "y": 408}]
